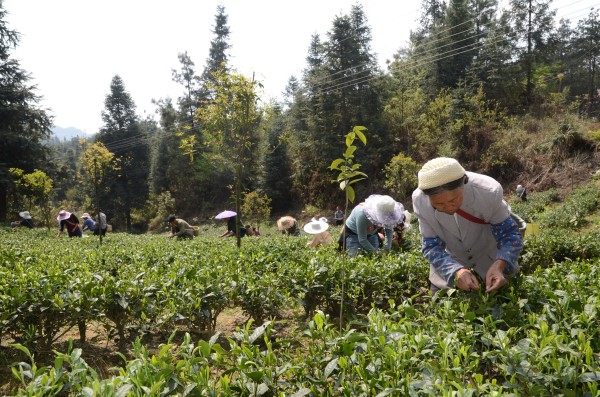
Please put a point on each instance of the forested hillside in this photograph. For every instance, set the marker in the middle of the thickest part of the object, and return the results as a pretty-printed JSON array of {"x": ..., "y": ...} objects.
[{"x": 511, "y": 92}]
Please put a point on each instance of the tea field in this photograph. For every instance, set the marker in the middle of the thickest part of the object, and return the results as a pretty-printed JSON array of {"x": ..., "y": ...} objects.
[{"x": 160, "y": 300}]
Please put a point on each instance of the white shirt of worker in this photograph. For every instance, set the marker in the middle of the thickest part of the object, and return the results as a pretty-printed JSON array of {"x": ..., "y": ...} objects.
[{"x": 460, "y": 242}]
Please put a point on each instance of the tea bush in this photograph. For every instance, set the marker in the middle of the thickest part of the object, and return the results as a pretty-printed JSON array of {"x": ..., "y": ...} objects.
[
  {"x": 555, "y": 246},
  {"x": 535, "y": 205},
  {"x": 539, "y": 336},
  {"x": 571, "y": 214}
]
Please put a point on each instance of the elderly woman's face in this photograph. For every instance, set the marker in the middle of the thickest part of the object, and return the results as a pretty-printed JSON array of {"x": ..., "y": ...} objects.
[{"x": 448, "y": 201}]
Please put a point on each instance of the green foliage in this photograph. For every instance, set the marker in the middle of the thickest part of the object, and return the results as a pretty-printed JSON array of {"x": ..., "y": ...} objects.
[
  {"x": 37, "y": 189},
  {"x": 538, "y": 336},
  {"x": 275, "y": 179},
  {"x": 594, "y": 135},
  {"x": 452, "y": 343},
  {"x": 98, "y": 165},
  {"x": 401, "y": 176},
  {"x": 121, "y": 134},
  {"x": 567, "y": 139},
  {"x": 536, "y": 204},
  {"x": 347, "y": 167},
  {"x": 158, "y": 208},
  {"x": 35, "y": 186},
  {"x": 217, "y": 57},
  {"x": 230, "y": 123},
  {"x": 256, "y": 207},
  {"x": 341, "y": 88},
  {"x": 403, "y": 109},
  {"x": 432, "y": 124},
  {"x": 556, "y": 246},
  {"x": 24, "y": 123},
  {"x": 571, "y": 214}
]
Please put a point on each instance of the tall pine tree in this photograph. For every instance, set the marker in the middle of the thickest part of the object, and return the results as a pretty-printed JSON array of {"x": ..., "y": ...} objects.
[
  {"x": 217, "y": 55},
  {"x": 533, "y": 22},
  {"x": 23, "y": 123},
  {"x": 276, "y": 182},
  {"x": 121, "y": 134},
  {"x": 588, "y": 47}
]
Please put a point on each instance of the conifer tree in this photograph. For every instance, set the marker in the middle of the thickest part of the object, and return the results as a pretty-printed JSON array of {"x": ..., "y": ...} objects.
[
  {"x": 276, "y": 182},
  {"x": 188, "y": 102},
  {"x": 217, "y": 55},
  {"x": 588, "y": 47},
  {"x": 533, "y": 22},
  {"x": 23, "y": 123},
  {"x": 339, "y": 93},
  {"x": 166, "y": 143},
  {"x": 121, "y": 134},
  {"x": 458, "y": 46}
]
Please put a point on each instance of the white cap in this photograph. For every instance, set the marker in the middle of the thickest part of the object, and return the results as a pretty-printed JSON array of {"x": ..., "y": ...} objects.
[{"x": 439, "y": 171}]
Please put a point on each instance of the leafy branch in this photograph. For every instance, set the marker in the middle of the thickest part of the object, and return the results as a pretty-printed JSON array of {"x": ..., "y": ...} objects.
[
  {"x": 348, "y": 169},
  {"x": 348, "y": 176}
]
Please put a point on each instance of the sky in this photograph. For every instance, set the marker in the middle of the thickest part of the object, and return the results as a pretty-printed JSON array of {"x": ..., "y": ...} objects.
[{"x": 73, "y": 48}]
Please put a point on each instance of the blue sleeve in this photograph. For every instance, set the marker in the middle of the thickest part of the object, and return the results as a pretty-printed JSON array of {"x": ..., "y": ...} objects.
[
  {"x": 362, "y": 224},
  {"x": 434, "y": 250},
  {"x": 509, "y": 242}
]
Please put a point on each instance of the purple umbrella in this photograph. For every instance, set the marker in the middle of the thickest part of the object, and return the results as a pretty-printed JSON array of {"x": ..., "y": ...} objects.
[{"x": 225, "y": 215}]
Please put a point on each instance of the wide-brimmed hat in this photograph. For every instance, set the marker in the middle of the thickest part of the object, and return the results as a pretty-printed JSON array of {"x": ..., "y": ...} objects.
[
  {"x": 439, "y": 171},
  {"x": 383, "y": 210},
  {"x": 85, "y": 215},
  {"x": 285, "y": 222},
  {"x": 316, "y": 226},
  {"x": 226, "y": 214},
  {"x": 62, "y": 215},
  {"x": 25, "y": 215}
]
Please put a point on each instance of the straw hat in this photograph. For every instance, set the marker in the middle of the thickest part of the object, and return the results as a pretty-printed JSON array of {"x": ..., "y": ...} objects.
[
  {"x": 285, "y": 222},
  {"x": 316, "y": 226},
  {"x": 62, "y": 215},
  {"x": 85, "y": 216},
  {"x": 383, "y": 210},
  {"x": 25, "y": 215},
  {"x": 438, "y": 172}
]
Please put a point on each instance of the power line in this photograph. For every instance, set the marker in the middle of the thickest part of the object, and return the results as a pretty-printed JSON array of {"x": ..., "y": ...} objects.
[{"x": 424, "y": 61}]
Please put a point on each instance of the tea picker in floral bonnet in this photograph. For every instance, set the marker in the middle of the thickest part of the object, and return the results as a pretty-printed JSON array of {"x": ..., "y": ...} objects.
[
  {"x": 466, "y": 227},
  {"x": 377, "y": 211}
]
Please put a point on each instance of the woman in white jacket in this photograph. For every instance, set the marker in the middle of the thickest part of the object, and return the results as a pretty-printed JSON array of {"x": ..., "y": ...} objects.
[{"x": 466, "y": 227}]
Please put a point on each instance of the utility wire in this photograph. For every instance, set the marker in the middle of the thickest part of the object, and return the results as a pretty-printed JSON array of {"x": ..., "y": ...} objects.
[{"x": 423, "y": 61}]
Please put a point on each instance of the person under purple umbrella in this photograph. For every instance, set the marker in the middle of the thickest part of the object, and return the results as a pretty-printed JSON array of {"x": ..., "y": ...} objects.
[{"x": 231, "y": 217}]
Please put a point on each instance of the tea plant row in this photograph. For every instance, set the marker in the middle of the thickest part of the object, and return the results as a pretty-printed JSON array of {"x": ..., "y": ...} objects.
[
  {"x": 541, "y": 337},
  {"x": 48, "y": 286}
]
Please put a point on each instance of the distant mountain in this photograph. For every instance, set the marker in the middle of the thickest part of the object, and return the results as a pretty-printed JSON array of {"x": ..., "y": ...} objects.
[{"x": 61, "y": 133}]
